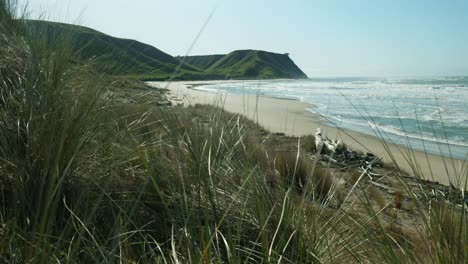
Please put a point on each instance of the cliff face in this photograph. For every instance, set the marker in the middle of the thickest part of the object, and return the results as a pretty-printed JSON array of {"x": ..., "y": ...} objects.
[{"x": 130, "y": 58}]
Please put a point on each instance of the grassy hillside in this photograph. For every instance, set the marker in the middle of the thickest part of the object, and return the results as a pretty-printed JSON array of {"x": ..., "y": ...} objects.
[
  {"x": 249, "y": 64},
  {"x": 203, "y": 61},
  {"x": 130, "y": 58},
  {"x": 115, "y": 55}
]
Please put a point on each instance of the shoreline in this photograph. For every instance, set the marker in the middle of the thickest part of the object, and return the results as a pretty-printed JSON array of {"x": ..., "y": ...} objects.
[{"x": 291, "y": 117}]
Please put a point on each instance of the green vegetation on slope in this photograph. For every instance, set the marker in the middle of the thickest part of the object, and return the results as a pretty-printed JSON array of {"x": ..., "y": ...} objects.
[
  {"x": 248, "y": 64},
  {"x": 203, "y": 61},
  {"x": 114, "y": 55},
  {"x": 130, "y": 58}
]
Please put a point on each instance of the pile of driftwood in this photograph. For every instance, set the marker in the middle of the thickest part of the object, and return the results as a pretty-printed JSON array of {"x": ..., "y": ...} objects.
[
  {"x": 338, "y": 154},
  {"x": 447, "y": 193},
  {"x": 440, "y": 192}
]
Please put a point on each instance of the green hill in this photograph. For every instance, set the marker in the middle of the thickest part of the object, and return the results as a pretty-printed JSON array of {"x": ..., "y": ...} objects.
[
  {"x": 115, "y": 55},
  {"x": 202, "y": 62},
  {"x": 250, "y": 64},
  {"x": 131, "y": 58}
]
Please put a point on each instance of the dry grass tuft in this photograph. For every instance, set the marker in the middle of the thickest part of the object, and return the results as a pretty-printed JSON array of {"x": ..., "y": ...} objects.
[
  {"x": 302, "y": 173},
  {"x": 354, "y": 177},
  {"x": 308, "y": 144},
  {"x": 398, "y": 200},
  {"x": 449, "y": 230},
  {"x": 377, "y": 197}
]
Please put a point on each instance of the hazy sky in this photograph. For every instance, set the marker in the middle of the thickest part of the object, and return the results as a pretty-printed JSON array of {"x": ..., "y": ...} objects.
[{"x": 325, "y": 38}]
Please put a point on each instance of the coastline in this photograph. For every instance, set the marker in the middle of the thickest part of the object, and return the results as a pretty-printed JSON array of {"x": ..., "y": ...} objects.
[{"x": 292, "y": 118}]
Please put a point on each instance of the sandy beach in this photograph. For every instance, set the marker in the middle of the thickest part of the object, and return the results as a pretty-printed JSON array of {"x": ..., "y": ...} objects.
[{"x": 292, "y": 118}]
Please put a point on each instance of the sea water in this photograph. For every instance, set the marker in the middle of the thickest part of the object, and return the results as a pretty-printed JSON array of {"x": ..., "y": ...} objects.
[{"x": 427, "y": 114}]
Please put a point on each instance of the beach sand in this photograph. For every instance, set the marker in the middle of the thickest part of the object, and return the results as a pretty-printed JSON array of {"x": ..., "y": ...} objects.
[{"x": 292, "y": 118}]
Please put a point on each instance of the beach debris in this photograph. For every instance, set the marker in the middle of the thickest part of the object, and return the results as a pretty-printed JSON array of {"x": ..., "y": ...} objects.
[
  {"x": 383, "y": 187},
  {"x": 446, "y": 193},
  {"x": 164, "y": 103},
  {"x": 338, "y": 154},
  {"x": 334, "y": 153},
  {"x": 321, "y": 142},
  {"x": 318, "y": 140},
  {"x": 352, "y": 158},
  {"x": 440, "y": 192}
]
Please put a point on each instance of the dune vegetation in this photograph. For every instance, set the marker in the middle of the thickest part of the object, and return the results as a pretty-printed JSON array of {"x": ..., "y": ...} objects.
[{"x": 87, "y": 177}]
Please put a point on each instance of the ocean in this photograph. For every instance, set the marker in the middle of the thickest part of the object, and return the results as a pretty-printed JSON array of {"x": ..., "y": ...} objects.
[{"x": 427, "y": 114}]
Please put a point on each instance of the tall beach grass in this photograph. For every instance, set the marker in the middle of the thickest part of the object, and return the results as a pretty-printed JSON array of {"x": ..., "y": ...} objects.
[{"x": 85, "y": 179}]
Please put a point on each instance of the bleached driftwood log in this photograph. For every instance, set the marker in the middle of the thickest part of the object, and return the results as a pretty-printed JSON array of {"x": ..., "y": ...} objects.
[
  {"x": 338, "y": 154},
  {"x": 321, "y": 142},
  {"x": 318, "y": 140}
]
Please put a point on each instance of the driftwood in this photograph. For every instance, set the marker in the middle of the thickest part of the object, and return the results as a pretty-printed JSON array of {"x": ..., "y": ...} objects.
[
  {"x": 447, "y": 193},
  {"x": 384, "y": 187},
  {"x": 324, "y": 143},
  {"x": 440, "y": 192},
  {"x": 338, "y": 154}
]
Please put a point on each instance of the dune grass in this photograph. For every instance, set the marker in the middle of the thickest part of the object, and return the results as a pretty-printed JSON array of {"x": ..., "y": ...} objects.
[{"x": 87, "y": 180}]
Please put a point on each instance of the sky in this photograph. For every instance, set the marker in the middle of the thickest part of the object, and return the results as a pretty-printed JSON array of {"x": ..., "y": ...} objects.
[{"x": 326, "y": 38}]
